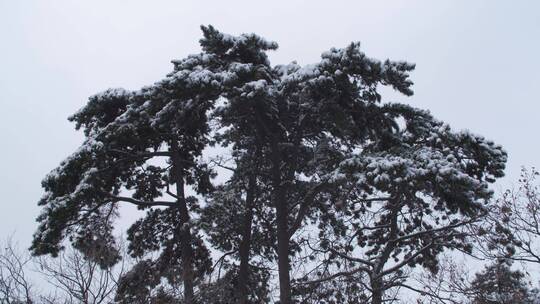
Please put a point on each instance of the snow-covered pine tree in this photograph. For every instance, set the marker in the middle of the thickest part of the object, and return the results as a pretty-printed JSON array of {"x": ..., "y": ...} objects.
[
  {"x": 404, "y": 200},
  {"x": 233, "y": 217},
  {"x": 311, "y": 145},
  {"x": 142, "y": 148},
  {"x": 296, "y": 111}
]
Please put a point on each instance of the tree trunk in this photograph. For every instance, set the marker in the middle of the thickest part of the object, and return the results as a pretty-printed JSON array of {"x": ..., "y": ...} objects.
[
  {"x": 245, "y": 245},
  {"x": 376, "y": 280},
  {"x": 187, "y": 254},
  {"x": 283, "y": 253},
  {"x": 184, "y": 230},
  {"x": 279, "y": 198},
  {"x": 282, "y": 214},
  {"x": 376, "y": 291}
]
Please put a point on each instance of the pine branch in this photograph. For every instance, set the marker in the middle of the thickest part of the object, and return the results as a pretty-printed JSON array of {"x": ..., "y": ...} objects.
[
  {"x": 353, "y": 259},
  {"x": 336, "y": 275},
  {"x": 430, "y": 231},
  {"x": 143, "y": 203},
  {"x": 304, "y": 206},
  {"x": 430, "y": 294},
  {"x": 406, "y": 261},
  {"x": 142, "y": 154}
]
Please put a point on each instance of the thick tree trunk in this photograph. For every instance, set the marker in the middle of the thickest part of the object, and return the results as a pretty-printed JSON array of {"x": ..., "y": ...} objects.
[
  {"x": 282, "y": 214},
  {"x": 376, "y": 297},
  {"x": 376, "y": 290},
  {"x": 279, "y": 198},
  {"x": 245, "y": 245},
  {"x": 184, "y": 230}
]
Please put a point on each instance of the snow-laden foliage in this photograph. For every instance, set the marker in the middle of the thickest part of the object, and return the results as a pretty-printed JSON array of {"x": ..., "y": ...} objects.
[
  {"x": 309, "y": 150},
  {"x": 403, "y": 203}
]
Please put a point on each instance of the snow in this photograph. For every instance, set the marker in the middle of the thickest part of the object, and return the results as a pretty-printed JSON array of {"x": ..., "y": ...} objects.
[
  {"x": 111, "y": 93},
  {"x": 428, "y": 157}
]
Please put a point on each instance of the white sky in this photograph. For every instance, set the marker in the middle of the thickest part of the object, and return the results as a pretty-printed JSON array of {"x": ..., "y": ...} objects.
[{"x": 477, "y": 62}]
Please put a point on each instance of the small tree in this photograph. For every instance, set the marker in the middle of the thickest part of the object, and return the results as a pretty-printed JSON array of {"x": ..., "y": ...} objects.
[
  {"x": 498, "y": 284},
  {"x": 71, "y": 278},
  {"x": 80, "y": 279},
  {"x": 449, "y": 285}
]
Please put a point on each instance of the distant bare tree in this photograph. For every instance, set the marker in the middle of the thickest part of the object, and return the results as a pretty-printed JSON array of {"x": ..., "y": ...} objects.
[
  {"x": 80, "y": 279},
  {"x": 15, "y": 285},
  {"x": 449, "y": 285},
  {"x": 512, "y": 230},
  {"x": 73, "y": 277}
]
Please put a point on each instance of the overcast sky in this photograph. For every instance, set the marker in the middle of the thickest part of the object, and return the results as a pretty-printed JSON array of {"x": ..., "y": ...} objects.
[{"x": 478, "y": 66}]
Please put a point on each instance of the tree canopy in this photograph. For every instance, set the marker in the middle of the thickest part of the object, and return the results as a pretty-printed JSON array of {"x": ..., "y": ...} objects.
[{"x": 315, "y": 173}]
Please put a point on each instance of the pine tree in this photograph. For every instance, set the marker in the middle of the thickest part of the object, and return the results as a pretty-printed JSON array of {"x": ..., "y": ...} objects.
[
  {"x": 406, "y": 199},
  {"x": 137, "y": 145},
  {"x": 312, "y": 148},
  {"x": 297, "y": 110}
]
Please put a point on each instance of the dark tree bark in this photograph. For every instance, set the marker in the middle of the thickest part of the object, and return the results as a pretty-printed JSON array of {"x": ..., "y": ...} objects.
[
  {"x": 281, "y": 205},
  {"x": 245, "y": 245},
  {"x": 279, "y": 200},
  {"x": 183, "y": 229},
  {"x": 377, "y": 292},
  {"x": 377, "y": 282}
]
